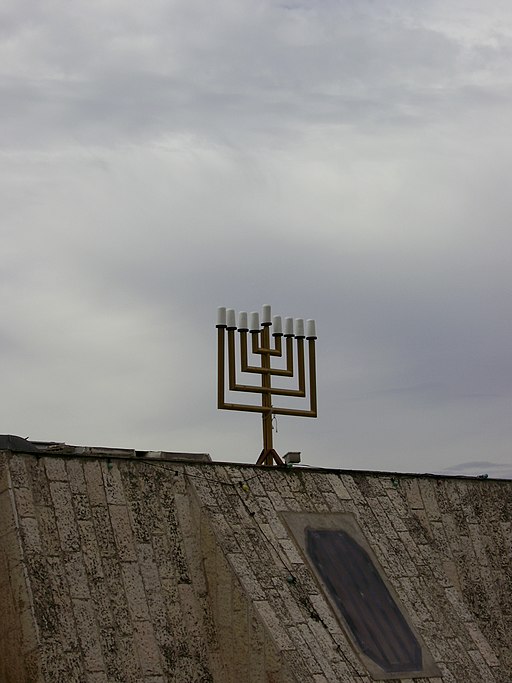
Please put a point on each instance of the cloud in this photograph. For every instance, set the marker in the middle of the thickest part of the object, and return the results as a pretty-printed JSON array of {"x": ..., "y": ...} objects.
[
  {"x": 111, "y": 74},
  {"x": 347, "y": 162}
]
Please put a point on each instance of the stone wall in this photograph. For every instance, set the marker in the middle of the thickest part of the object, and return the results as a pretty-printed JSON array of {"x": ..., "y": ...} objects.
[
  {"x": 131, "y": 569},
  {"x": 18, "y": 655},
  {"x": 443, "y": 543}
]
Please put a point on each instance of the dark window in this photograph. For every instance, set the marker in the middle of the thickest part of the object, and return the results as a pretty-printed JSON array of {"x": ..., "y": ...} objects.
[{"x": 371, "y": 614}]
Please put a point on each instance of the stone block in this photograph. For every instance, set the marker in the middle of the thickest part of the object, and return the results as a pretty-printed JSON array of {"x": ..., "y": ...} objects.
[
  {"x": 123, "y": 533},
  {"x": 113, "y": 483},
  {"x": 148, "y": 567},
  {"x": 30, "y": 536},
  {"x": 90, "y": 550},
  {"x": 24, "y": 502},
  {"x": 48, "y": 531},
  {"x": 55, "y": 468},
  {"x": 276, "y": 630},
  {"x": 134, "y": 590},
  {"x": 245, "y": 575},
  {"x": 76, "y": 477},
  {"x": 5, "y": 480},
  {"x": 19, "y": 475},
  {"x": 65, "y": 516},
  {"x": 88, "y": 635},
  {"x": 7, "y": 523},
  {"x": 103, "y": 531},
  {"x": 412, "y": 493},
  {"x": 76, "y": 576},
  {"x": 147, "y": 646},
  {"x": 29, "y": 639},
  {"x": 117, "y": 595},
  {"x": 128, "y": 658},
  {"x": 81, "y": 506},
  {"x": 94, "y": 481},
  {"x": 482, "y": 645}
]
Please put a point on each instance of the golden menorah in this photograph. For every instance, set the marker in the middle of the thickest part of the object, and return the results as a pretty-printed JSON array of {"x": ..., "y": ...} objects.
[{"x": 293, "y": 330}]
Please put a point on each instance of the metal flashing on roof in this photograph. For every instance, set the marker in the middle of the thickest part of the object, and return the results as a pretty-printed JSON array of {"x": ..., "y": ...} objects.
[
  {"x": 18, "y": 444},
  {"x": 175, "y": 457},
  {"x": 9, "y": 442}
]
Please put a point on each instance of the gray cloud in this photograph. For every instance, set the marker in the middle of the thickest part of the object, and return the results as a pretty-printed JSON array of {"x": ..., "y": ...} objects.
[
  {"x": 344, "y": 162},
  {"x": 104, "y": 75}
]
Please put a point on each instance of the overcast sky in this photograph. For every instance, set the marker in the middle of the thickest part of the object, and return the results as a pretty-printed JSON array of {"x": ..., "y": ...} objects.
[{"x": 344, "y": 161}]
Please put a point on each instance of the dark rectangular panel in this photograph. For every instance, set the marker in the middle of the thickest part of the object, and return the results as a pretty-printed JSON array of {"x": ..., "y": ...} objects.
[{"x": 356, "y": 587}]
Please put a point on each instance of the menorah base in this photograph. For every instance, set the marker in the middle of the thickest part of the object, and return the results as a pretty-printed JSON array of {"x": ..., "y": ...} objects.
[{"x": 268, "y": 457}]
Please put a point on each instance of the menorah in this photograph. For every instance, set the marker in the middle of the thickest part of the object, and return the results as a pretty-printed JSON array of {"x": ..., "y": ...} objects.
[{"x": 261, "y": 346}]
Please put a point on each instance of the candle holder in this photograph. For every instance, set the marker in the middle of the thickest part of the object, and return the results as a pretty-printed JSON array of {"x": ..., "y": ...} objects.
[{"x": 294, "y": 342}]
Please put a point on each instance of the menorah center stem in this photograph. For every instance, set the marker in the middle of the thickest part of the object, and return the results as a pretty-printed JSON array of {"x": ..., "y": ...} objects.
[{"x": 266, "y": 383}]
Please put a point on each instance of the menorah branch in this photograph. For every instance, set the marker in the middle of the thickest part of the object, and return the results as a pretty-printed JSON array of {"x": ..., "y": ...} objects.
[
  {"x": 234, "y": 386},
  {"x": 273, "y": 371}
]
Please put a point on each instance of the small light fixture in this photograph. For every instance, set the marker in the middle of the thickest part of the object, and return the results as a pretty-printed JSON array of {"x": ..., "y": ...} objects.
[{"x": 292, "y": 458}]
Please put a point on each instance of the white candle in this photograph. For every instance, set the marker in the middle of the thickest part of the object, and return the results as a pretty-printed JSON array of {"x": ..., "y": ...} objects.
[
  {"x": 277, "y": 325},
  {"x": 299, "y": 327},
  {"x": 221, "y": 316},
  {"x": 288, "y": 327},
  {"x": 255, "y": 322},
  {"x": 266, "y": 315},
  {"x": 242, "y": 321},
  {"x": 310, "y": 329},
  {"x": 231, "y": 319}
]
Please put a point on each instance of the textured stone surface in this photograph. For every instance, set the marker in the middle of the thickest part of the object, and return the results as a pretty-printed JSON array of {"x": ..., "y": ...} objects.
[
  {"x": 18, "y": 631},
  {"x": 122, "y": 570}
]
